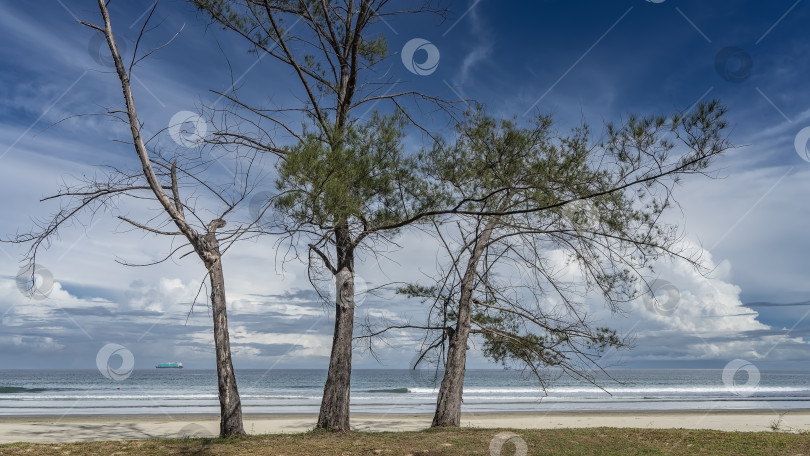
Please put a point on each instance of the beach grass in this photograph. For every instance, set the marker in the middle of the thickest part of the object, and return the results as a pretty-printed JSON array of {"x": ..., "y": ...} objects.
[{"x": 451, "y": 442}]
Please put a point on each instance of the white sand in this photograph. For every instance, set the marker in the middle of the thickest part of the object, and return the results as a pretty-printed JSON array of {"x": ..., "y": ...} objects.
[{"x": 75, "y": 428}]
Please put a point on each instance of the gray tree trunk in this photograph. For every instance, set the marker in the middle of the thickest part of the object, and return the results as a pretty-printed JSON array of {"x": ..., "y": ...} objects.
[
  {"x": 230, "y": 424},
  {"x": 334, "y": 413},
  {"x": 448, "y": 404},
  {"x": 207, "y": 247}
]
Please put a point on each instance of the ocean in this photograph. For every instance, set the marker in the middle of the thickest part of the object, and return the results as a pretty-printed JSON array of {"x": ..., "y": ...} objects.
[{"x": 188, "y": 391}]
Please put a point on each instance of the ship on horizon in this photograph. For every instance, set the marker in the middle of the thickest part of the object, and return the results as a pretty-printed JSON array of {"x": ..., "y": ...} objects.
[{"x": 169, "y": 365}]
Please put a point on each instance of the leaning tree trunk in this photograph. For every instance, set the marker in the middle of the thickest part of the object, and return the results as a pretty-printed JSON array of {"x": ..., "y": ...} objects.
[
  {"x": 230, "y": 405},
  {"x": 448, "y": 404},
  {"x": 334, "y": 413}
]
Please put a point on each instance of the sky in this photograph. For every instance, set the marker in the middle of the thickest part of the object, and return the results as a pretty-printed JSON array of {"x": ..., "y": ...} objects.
[{"x": 591, "y": 61}]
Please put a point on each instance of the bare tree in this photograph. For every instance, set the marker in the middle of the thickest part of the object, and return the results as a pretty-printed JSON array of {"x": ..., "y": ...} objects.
[
  {"x": 346, "y": 178},
  {"x": 528, "y": 191},
  {"x": 162, "y": 180}
]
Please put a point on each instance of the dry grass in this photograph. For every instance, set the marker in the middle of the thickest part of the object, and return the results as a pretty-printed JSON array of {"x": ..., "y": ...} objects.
[{"x": 450, "y": 442}]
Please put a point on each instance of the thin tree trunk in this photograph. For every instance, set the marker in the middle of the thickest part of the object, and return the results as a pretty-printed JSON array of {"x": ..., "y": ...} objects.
[
  {"x": 207, "y": 246},
  {"x": 448, "y": 404},
  {"x": 334, "y": 413},
  {"x": 230, "y": 424}
]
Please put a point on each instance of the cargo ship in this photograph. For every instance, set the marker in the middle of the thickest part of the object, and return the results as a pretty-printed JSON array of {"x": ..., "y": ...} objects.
[{"x": 171, "y": 365}]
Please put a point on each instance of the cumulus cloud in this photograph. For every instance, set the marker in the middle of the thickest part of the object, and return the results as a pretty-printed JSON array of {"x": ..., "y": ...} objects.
[
  {"x": 707, "y": 320},
  {"x": 705, "y": 304}
]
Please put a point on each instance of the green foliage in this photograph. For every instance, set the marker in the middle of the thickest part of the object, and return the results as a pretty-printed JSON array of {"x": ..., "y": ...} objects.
[
  {"x": 510, "y": 338},
  {"x": 413, "y": 290},
  {"x": 505, "y": 341},
  {"x": 489, "y": 156},
  {"x": 363, "y": 177},
  {"x": 375, "y": 50},
  {"x": 541, "y": 191}
]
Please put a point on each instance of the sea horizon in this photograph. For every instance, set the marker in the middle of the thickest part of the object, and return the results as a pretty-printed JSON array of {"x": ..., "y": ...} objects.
[{"x": 60, "y": 392}]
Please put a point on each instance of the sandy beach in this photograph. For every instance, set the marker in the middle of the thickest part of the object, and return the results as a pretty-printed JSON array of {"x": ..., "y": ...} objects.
[{"x": 117, "y": 427}]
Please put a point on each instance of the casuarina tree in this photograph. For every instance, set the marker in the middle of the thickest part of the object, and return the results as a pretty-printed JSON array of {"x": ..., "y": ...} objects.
[
  {"x": 534, "y": 205},
  {"x": 343, "y": 176}
]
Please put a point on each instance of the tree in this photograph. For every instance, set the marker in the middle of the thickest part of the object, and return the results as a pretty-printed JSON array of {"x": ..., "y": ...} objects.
[
  {"x": 343, "y": 199},
  {"x": 161, "y": 180},
  {"x": 344, "y": 180},
  {"x": 528, "y": 191}
]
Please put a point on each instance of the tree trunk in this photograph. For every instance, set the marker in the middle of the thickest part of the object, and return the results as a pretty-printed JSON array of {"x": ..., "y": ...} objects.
[
  {"x": 448, "y": 404},
  {"x": 230, "y": 423},
  {"x": 334, "y": 413}
]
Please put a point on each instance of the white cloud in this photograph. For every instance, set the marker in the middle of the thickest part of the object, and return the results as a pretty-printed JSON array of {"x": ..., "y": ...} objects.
[
  {"x": 35, "y": 344},
  {"x": 481, "y": 51},
  {"x": 707, "y": 305},
  {"x": 477, "y": 55}
]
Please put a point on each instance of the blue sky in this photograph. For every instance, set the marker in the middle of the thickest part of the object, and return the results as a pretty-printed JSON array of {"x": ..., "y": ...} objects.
[{"x": 579, "y": 60}]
